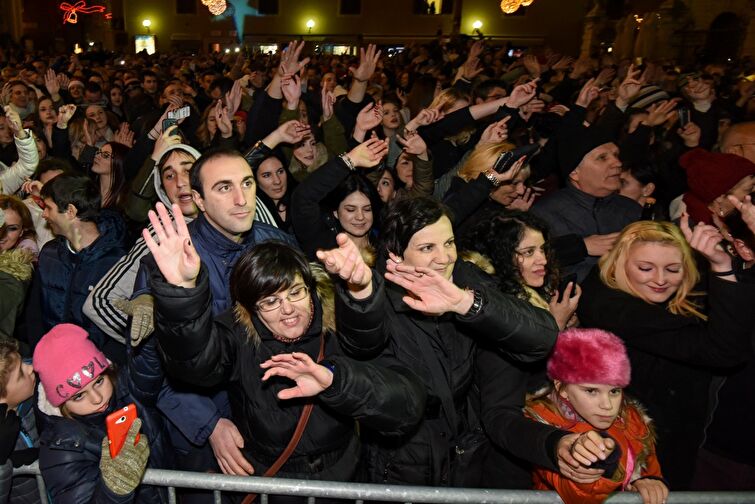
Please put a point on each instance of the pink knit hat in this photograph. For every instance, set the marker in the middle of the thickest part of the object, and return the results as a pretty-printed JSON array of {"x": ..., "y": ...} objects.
[
  {"x": 67, "y": 361},
  {"x": 589, "y": 356}
]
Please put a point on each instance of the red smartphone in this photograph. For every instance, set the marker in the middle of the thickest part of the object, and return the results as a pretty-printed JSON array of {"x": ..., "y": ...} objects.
[{"x": 118, "y": 423}]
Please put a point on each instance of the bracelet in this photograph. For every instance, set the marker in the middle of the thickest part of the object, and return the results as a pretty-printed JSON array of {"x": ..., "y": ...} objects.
[
  {"x": 359, "y": 80},
  {"x": 723, "y": 273},
  {"x": 492, "y": 178},
  {"x": 349, "y": 163}
]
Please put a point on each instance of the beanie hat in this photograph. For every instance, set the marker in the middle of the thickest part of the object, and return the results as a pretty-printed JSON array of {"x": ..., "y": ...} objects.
[
  {"x": 684, "y": 78},
  {"x": 648, "y": 96},
  {"x": 67, "y": 361},
  {"x": 577, "y": 142},
  {"x": 589, "y": 356},
  {"x": 709, "y": 175}
]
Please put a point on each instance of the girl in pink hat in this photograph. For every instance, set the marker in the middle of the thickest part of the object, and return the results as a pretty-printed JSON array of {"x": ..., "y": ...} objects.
[{"x": 589, "y": 369}]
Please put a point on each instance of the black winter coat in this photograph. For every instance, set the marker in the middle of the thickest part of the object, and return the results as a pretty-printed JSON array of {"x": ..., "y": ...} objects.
[
  {"x": 207, "y": 352},
  {"x": 70, "y": 448},
  {"x": 523, "y": 332},
  {"x": 673, "y": 358}
]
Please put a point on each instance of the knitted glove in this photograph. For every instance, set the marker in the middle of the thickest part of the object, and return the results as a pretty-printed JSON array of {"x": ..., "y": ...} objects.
[
  {"x": 141, "y": 310},
  {"x": 123, "y": 473},
  {"x": 10, "y": 426}
]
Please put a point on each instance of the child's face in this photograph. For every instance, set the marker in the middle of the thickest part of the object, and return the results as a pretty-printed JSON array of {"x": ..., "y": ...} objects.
[
  {"x": 21, "y": 381},
  {"x": 599, "y": 405},
  {"x": 94, "y": 398}
]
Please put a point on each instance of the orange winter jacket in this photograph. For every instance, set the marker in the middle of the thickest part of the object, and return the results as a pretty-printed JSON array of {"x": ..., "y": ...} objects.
[{"x": 633, "y": 435}]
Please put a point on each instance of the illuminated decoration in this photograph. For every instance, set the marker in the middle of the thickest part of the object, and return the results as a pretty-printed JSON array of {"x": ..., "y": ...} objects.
[
  {"x": 238, "y": 10},
  {"x": 144, "y": 43},
  {"x": 71, "y": 10},
  {"x": 511, "y": 6},
  {"x": 109, "y": 16},
  {"x": 216, "y": 7},
  {"x": 206, "y": 2}
]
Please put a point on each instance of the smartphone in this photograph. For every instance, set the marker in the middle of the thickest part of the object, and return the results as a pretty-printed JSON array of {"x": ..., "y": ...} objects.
[
  {"x": 167, "y": 123},
  {"x": 118, "y": 423},
  {"x": 564, "y": 282},
  {"x": 179, "y": 113},
  {"x": 683, "y": 113}
]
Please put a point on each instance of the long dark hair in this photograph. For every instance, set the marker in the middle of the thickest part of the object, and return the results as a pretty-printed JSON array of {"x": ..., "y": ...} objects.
[
  {"x": 498, "y": 236},
  {"x": 355, "y": 182},
  {"x": 118, "y": 182},
  {"x": 284, "y": 202}
]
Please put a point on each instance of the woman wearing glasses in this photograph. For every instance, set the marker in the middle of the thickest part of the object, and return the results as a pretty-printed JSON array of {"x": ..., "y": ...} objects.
[
  {"x": 109, "y": 172},
  {"x": 280, "y": 349}
]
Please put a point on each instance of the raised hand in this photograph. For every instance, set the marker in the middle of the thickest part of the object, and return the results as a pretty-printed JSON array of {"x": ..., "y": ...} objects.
[
  {"x": 52, "y": 84},
  {"x": 413, "y": 144},
  {"x": 522, "y": 94},
  {"x": 368, "y": 61},
  {"x": 290, "y": 64},
  {"x": 534, "y": 106},
  {"x": 368, "y": 154},
  {"x": 291, "y": 89},
  {"x": 660, "y": 112},
  {"x": 311, "y": 378},
  {"x": 587, "y": 94},
  {"x": 328, "y": 101},
  {"x": 532, "y": 65},
  {"x": 496, "y": 132},
  {"x": 427, "y": 290},
  {"x": 425, "y": 117},
  {"x": 605, "y": 76},
  {"x": 89, "y": 132},
  {"x": 629, "y": 87},
  {"x": 174, "y": 254},
  {"x": 233, "y": 97},
  {"x": 124, "y": 135},
  {"x": 63, "y": 80},
  {"x": 222, "y": 117},
  {"x": 746, "y": 208},
  {"x": 706, "y": 239},
  {"x": 14, "y": 123},
  {"x": 346, "y": 261},
  {"x": 290, "y": 132},
  {"x": 368, "y": 118},
  {"x": 597, "y": 245},
  {"x": 563, "y": 310},
  {"x": 165, "y": 140},
  {"x": 524, "y": 202}
]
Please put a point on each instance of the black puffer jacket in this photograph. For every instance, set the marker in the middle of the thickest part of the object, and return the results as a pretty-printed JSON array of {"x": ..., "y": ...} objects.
[
  {"x": 674, "y": 358},
  {"x": 70, "y": 448},
  {"x": 206, "y": 352},
  {"x": 521, "y": 331}
]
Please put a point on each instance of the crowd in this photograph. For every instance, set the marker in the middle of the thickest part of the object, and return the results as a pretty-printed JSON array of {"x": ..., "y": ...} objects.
[{"x": 444, "y": 267}]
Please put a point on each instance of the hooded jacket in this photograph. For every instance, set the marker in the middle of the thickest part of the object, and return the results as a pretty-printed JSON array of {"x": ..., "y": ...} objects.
[
  {"x": 16, "y": 267},
  {"x": 21, "y": 489},
  {"x": 229, "y": 349},
  {"x": 12, "y": 177},
  {"x": 64, "y": 278},
  {"x": 71, "y": 448}
]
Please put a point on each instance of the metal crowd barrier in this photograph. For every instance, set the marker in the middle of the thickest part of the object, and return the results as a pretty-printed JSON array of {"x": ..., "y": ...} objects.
[{"x": 364, "y": 493}]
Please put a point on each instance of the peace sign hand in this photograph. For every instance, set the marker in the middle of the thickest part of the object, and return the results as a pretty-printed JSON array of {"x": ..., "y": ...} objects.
[{"x": 174, "y": 254}]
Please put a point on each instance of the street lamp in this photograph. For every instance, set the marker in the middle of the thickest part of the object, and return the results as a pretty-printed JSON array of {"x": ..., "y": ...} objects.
[
  {"x": 310, "y": 24},
  {"x": 476, "y": 26},
  {"x": 147, "y": 23}
]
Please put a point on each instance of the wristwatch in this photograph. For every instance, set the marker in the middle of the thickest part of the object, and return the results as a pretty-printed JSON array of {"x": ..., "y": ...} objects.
[
  {"x": 349, "y": 163},
  {"x": 477, "y": 303},
  {"x": 492, "y": 178}
]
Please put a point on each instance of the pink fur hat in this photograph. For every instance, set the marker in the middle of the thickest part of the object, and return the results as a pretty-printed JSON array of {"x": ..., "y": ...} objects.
[{"x": 589, "y": 356}]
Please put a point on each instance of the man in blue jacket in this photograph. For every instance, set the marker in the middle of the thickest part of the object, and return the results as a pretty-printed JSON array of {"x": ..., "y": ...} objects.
[{"x": 89, "y": 240}]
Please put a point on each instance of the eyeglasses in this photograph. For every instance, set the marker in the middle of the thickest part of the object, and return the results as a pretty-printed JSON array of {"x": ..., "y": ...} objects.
[
  {"x": 297, "y": 293},
  {"x": 104, "y": 154}
]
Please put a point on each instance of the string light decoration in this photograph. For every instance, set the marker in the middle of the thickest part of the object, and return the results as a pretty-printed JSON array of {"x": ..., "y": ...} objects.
[
  {"x": 216, "y": 7},
  {"x": 71, "y": 11},
  {"x": 511, "y": 6}
]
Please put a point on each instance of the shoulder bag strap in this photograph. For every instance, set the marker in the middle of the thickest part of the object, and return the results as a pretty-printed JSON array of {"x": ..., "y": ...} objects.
[{"x": 306, "y": 412}]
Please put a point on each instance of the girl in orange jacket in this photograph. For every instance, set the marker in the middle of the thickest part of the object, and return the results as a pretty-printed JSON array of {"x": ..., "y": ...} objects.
[{"x": 589, "y": 368}]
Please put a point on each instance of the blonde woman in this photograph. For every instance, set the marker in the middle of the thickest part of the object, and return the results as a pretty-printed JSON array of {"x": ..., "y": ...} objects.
[{"x": 646, "y": 292}]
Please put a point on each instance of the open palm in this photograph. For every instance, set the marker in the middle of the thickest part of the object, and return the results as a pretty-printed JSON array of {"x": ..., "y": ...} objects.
[{"x": 174, "y": 254}]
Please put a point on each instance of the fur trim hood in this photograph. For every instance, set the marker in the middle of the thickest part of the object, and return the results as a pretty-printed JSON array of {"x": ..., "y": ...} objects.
[
  {"x": 325, "y": 299},
  {"x": 18, "y": 263}
]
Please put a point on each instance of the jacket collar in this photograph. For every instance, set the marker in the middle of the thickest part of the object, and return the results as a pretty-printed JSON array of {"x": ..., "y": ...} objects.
[{"x": 214, "y": 239}]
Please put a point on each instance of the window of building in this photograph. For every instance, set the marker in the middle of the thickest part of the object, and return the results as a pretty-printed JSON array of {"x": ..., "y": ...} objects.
[
  {"x": 268, "y": 7},
  {"x": 432, "y": 7},
  {"x": 350, "y": 7},
  {"x": 186, "y": 6}
]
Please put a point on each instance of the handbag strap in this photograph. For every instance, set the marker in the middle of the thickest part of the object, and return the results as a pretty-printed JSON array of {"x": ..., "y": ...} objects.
[{"x": 306, "y": 412}]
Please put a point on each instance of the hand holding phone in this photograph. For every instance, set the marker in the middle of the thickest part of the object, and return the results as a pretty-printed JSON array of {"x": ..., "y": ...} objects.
[
  {"x": 684, "y": 119},
  {"x": 117, "y": 424},
  {"x": 564, "y": 283}
]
